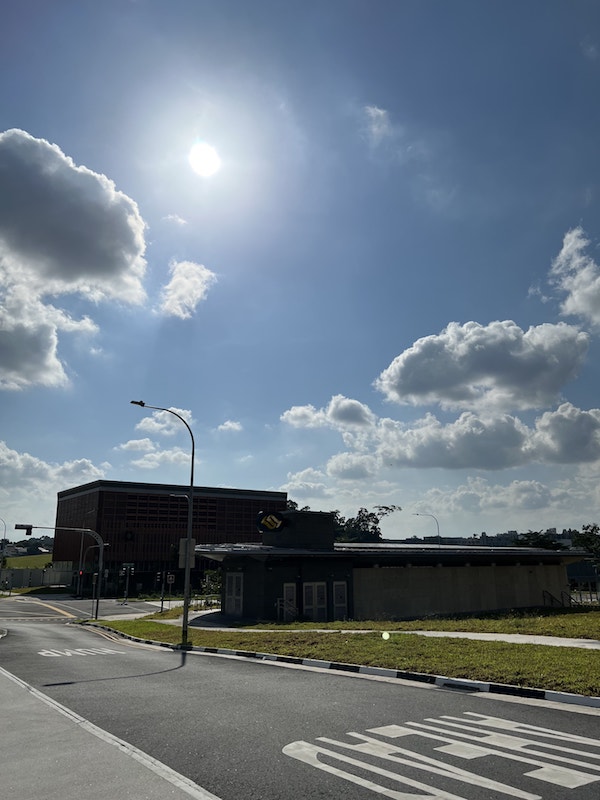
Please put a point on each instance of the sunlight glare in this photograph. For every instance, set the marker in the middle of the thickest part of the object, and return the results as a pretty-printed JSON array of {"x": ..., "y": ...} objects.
[{"x": 204, "y": 159}]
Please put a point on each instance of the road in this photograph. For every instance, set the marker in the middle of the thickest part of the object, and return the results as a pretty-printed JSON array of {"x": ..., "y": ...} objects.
[{"x": 254, "y": 729}]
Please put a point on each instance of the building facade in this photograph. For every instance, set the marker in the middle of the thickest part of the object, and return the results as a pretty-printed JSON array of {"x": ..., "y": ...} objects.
[
  {"x": 143, "y": 523},
  {"x": 300, "y": 572}
]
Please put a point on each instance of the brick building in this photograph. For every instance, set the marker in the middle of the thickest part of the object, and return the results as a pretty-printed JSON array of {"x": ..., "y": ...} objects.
[{"x": 144, "y": 522}]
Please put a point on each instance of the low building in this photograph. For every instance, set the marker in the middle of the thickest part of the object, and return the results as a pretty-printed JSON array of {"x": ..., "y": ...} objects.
[
  {"x": 142, "y": 524},
  {"x": 299, "y": 571}
]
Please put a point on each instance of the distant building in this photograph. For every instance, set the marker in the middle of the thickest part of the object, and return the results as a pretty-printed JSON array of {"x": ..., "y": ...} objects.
[{"x": 143, "y": 523}]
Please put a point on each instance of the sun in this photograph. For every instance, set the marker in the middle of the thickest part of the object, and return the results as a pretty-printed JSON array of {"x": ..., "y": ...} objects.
[{"x": 204, "y": 159}]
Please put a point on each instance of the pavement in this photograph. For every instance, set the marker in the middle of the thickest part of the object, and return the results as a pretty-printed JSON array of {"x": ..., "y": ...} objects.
[{"x": 59, "y": 741}]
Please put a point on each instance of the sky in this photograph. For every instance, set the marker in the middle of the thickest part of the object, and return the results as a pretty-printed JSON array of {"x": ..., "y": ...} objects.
[{"x": 381, "y": 287}]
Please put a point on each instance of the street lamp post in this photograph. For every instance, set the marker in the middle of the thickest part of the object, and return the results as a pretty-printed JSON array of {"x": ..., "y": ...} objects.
[
  {"x": 187, "y": 580},
  {"x": 437, "y": 524}
]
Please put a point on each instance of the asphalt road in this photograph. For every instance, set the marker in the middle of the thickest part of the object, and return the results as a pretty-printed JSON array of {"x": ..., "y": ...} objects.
[
  {"x": 249, "y": 729},
  {"x": 62, "y": 608}
]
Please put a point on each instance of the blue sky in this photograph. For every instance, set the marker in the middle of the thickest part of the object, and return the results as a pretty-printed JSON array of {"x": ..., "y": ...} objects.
[{"x": 388, "y": 293}]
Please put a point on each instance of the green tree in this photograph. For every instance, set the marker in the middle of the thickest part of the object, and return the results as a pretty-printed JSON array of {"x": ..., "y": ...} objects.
[
  {"x": 364, "y": 527},
  {"x": 292, "y": 505},
  {"x": 588, "y": 539},
  {"x": 538, "y": 539}
]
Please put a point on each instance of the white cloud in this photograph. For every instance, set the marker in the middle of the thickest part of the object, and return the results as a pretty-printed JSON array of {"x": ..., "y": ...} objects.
[
  {"x": 230, "y": 426},
  {"x": 158, "y": 458},
  {"x": 577, "y": 275},
  {"x": 341, "y": 413},
  {"x": 496, "y": 366},
  {"x": 478, "y": 496},
  {"x": 63, "y": 230},
  {"x": 379, "y": 126},
  {"x": 307, "y": 483},
  {"x": 347, "y": 413},
  {"x": 188, "y": 286},
  {"x": 304, "y": 417},
  {"x": 164, "y": 423},
  {"x": 567, "y": 436},
  {"x": 28, "y": 485},
  {"x": 175, "y": 219},
  {"x": 137, "y": 445},
  {"x": 470, "y": 442},
  {"x": 352, "y": 466}
]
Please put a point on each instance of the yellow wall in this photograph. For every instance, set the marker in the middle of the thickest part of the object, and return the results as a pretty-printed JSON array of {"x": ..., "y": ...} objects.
[{"x": 398, "y": 592}]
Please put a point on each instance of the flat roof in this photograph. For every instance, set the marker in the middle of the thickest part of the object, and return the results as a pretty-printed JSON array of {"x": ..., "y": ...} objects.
[
  {"x": 387, "y": 551},
  {"x": 133, "y": 487}
]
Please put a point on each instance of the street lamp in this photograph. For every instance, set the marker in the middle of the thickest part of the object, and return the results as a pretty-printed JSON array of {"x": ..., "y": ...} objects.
[
  {"x": 437, "y": 524},
  {"x": 186, "y": 587}
]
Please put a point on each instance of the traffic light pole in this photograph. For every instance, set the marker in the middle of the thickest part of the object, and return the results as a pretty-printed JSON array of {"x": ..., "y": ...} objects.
[{"x": 96, "y": 536}]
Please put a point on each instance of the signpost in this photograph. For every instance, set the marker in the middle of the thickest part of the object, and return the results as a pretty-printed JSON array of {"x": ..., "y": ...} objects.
[{"x": 129, "y": 569}]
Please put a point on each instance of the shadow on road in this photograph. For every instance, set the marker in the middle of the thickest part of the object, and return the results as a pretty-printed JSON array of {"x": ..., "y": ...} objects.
[{"x": 183, "y": 654}]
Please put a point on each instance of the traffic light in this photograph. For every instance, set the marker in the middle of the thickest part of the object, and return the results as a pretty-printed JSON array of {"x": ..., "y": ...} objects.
[
  {"x": 158, "y": 576},
  {"x": 26, "y": 528}
]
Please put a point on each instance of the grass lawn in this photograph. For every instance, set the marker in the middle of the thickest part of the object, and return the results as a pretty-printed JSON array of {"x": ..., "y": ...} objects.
[
  {"x": 566, "y": 669},
  {"x": 28, "y": 562}
]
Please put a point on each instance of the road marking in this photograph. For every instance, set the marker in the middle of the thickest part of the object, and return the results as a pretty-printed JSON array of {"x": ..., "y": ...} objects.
[
  {"x": 60, "y": 611},
  {"x": 80, "y": 651},
  {"x": 180, "y": 781},
  {"x": 470, "y": 737}
]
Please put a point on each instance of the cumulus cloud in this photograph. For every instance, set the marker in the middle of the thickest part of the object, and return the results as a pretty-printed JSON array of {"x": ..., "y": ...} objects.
[
  {"x": 230, "y": 426},
  {"x": 470, "y": 442},
  {"x": 154, "y": 459},
  {"x": 497, "y": 366},
  {"x": 479, "y": 496},
  {"x": 28, "y": 482},
  {"x": 341, "y": 412},
  {"x": 576, "y": 274},
  {"x": 137, "y": 445},
  {"x": 63, "y": 229},
  {"x": 352, "y": 466},
  {"x": 307, "y": 483},
  {"x": 188, "y": 286},
  {"x": 566, "y": 435},
  {"x": 163, "y": 423}
]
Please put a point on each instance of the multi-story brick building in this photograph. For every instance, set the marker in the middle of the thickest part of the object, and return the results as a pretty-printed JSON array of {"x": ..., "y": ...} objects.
[{"x": 143, "y": 523}]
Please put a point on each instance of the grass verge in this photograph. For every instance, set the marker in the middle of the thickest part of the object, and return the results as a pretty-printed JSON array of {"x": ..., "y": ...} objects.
[{"x": 565, "y": 669}]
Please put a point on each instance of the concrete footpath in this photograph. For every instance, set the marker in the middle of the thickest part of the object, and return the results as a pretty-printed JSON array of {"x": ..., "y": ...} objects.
[{"x": 51, "y": 753}]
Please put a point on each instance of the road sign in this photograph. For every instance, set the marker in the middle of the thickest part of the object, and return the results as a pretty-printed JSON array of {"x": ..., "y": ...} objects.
[
  {"x": 191, "y": 554},
  {"x": 170, "y": 577}
]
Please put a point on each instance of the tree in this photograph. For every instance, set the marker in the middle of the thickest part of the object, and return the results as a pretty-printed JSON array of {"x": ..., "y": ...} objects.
[
  {"x": 292, "y": 505},
  {"x": 364, "y": 527},
  {"x": 545, "y": 541},
  {"x": 588, "y": 539}
]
